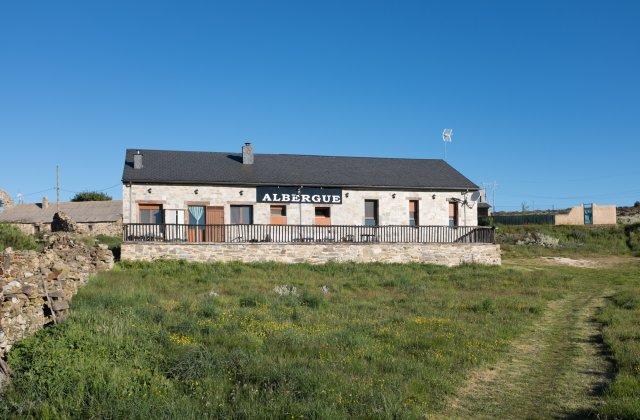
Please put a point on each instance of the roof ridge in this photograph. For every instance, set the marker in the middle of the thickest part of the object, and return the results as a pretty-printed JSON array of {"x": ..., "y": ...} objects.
[{"x": 285, "y": 154}]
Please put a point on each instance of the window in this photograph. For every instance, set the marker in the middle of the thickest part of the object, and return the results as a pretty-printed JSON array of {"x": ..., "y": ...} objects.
[
  {"x": 241, "y": 215},
  {"x": 413, "y": 213},
  {"x": 150, "y": 213},
  {"x": 323, "y": 216},
  {"x": 453, "y": 214},
  {"x": 371, "y": 212},
  {"x": 278, "y": 215},
  {"x": 196, "y": 216}
]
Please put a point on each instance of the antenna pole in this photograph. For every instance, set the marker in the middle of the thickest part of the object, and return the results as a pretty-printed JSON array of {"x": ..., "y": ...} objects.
[
  {"x": 493, "y": 193},
  {"x": 57, "y": 187},
  {"x": 445, "y": 150}
]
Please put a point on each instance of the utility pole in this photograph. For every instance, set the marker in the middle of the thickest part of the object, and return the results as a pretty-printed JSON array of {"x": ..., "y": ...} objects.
[{"x": 57, "y": 188}]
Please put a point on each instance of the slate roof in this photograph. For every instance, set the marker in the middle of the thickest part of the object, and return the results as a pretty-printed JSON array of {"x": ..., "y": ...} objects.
[
  {"x": 82, "y": 212},
  {"x": 217, "y": 168}
]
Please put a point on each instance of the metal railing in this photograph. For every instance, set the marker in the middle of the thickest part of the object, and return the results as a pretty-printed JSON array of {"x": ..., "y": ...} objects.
[{"x": 181, "y": 233}]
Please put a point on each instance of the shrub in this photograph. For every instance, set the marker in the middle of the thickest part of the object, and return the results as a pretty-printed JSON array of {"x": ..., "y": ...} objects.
[
  {"x": 252, "y": 300},
  {"x": 91, "y": 196},
  {"x": 633, "y": 237},
  {"x": 312, "y": 300},
  {"x": 11, "y": 236},
  {"x": 113, "y": 242}
]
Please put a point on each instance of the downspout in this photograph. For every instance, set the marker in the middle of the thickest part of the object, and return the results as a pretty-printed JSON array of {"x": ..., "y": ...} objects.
[{"x": 130, "y": 208}]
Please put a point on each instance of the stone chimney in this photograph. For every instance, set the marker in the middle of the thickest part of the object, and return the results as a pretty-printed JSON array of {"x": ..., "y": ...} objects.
[
  {"x": 137, "y": 160},
  {"x": 45, "y": 203},
  {"x": 247, "y": 154}
]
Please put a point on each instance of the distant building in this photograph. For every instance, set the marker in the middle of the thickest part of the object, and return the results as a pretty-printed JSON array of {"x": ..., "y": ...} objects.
[
  {"x": 587, "y": 214},
  {"x": 97, "y": 217},
  {"x": 484, "y": 208}
]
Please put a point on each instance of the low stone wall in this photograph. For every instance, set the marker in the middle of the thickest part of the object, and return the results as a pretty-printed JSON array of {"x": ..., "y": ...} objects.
[
  {"x": 37, "y": 286},
  {"x": 431, "y": 253},
  {"x": 94, "y": 229}
]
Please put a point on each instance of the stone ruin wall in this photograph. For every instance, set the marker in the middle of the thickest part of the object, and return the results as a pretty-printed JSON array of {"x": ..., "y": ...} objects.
[
  {"x": 37, "y": 286},
  {"x": 92, "y": 229}
]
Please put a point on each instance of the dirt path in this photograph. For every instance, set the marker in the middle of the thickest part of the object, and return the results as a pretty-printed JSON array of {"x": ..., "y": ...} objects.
[{"x": 555, "y": 369}]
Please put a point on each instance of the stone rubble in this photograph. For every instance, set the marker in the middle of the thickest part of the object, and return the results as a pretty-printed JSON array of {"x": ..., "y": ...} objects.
[
  {"x": 37, "y": 286},
  {"x": 537, "y": 238},
  {"x": 63, "y": 223}
]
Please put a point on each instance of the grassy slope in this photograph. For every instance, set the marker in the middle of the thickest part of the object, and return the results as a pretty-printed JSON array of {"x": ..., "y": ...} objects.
[
  {"x": 387, "y": 340},
  {"x": 575, "y": 241},
  {"x": 621, "y": 319}
]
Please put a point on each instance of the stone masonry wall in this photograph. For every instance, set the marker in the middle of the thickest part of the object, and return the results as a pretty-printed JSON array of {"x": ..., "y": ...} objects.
[
  {"x": 433, "y": 205},
  {"x": 450, "y": 254},
  {"x": 37, "y": 286},
  {"x": 95, "y": 228}
]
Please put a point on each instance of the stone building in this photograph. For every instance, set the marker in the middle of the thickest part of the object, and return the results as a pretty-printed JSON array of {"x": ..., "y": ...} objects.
[
  {"x": 93, "y": 217},
  {"x": 172, "y": 199},
  {"x": 227, "y": 188}
]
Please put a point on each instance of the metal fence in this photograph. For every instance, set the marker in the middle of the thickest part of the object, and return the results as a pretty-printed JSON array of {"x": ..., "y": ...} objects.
[
  {"x": 182, "y": 233},
  {"x": 524, "y": 219}
]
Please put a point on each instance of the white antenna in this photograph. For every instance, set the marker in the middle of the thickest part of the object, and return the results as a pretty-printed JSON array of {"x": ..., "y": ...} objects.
[
  {"x": 20, "y": 198},
  {"x": 447, "y": 136}
]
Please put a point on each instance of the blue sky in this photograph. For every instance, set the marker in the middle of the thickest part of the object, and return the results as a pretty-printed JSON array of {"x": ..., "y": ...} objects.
[{"x": 542, "y": 95}]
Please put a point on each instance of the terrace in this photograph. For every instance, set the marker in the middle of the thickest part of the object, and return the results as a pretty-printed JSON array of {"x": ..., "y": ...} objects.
[{"x": 299, "y": 234}]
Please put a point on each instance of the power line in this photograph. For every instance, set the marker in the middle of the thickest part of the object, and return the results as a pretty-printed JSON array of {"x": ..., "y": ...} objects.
[
  {"x": 591, "y": 178},
  {"x": 39, "y": 192},
  {"x": 578, "y": 197},
  {"x": 89, "y": 189}
]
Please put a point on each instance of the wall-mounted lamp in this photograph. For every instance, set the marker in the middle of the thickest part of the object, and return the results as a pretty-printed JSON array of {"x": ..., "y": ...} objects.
[
  {"x": 241, "y": 192},
  {"x": 393, "y": 195},
  {"x": 346, "y": 195},
  {"x": 195, "y": 191},
  {"x": 149, "y": 190},
  {"x": 433, "y": 196}
]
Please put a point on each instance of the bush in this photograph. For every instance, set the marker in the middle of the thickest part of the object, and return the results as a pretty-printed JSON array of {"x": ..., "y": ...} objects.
[
  {"x": 113, "y": 242},
  {"x": 91, "y": 196},
  {"x": 11, "y": 236},
  {"x": 633, "y": 237}
]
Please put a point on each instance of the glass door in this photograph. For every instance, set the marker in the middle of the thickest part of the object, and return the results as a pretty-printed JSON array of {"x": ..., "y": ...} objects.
[
  {"x": 196, "y": 223},
  {"x": 588, "y": 214}
]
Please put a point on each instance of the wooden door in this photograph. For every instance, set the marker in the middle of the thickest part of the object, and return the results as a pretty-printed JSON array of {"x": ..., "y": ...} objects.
[
  {"x": 215, "y": 224},
  {"x": 453, "y": 214}
]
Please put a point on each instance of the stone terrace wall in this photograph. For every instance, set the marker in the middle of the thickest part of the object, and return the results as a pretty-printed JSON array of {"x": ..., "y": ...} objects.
[
  {"x": 442, "y": 254},
  {"x": 37, "y": 286}
]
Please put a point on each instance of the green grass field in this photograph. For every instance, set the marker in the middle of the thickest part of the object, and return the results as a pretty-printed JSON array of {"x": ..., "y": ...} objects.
[
  {"x": 171, "y": 339},
  {"x": 574, "y": 241}
]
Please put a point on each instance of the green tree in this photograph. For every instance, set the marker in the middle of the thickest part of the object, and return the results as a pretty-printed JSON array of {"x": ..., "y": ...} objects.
[{"x": 91, "y": 196}]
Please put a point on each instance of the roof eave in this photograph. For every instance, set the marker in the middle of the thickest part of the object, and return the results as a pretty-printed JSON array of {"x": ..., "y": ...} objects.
[{"x": 261, "y": 184}]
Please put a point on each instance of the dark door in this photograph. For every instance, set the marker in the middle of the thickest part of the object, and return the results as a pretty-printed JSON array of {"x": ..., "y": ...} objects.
[{"x": 588, "y": 214}]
